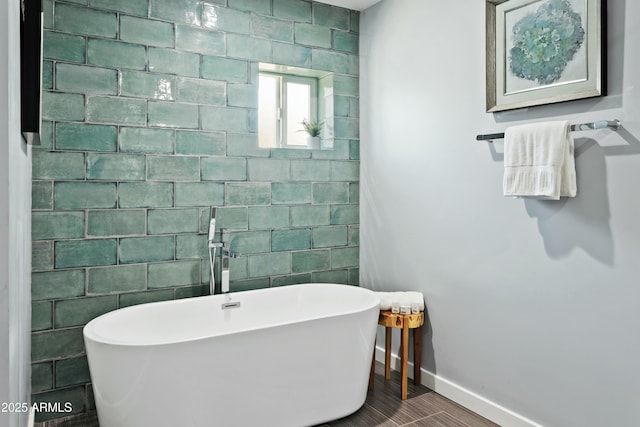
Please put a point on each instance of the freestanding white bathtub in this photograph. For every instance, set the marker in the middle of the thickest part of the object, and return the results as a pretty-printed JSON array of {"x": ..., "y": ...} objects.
[{"x": 296, "y": 355}]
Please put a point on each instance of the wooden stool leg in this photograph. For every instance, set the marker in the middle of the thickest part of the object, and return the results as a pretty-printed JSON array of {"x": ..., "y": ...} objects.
[
  {"x": 387, "y": 354},
  {"x": 373, "y": 367},
  {"x": 404, "y": 350},
  {"x": 417, "y": 355}
]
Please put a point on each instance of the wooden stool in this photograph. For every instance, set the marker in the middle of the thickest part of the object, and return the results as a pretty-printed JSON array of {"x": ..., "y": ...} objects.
[{"x": 405, "y": 322}]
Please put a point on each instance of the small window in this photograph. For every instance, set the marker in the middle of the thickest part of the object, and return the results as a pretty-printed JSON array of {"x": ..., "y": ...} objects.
[{"x": 283, "y": 102}]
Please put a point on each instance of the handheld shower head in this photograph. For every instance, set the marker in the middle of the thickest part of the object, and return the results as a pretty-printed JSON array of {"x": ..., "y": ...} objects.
[{"x": 212, "y": 224}]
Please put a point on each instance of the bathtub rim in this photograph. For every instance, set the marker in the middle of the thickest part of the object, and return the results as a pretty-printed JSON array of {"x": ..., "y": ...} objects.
[{"x": 88, "y": 331}]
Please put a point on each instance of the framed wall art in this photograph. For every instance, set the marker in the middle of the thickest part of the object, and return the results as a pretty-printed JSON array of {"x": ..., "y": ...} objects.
[{"x": 544, "y": 51}]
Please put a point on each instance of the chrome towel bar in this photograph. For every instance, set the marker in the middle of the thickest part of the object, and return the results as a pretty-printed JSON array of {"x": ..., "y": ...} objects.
[{"x": 602, "y": 124}]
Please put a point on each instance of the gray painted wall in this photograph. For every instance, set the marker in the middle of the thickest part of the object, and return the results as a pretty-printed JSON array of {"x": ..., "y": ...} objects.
[
  {"x": 533, "y": 305},
  {"x": 15, "y": 226}
]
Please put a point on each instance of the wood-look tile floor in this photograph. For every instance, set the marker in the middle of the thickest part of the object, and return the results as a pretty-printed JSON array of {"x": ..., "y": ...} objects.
[
  {"x": 383, "y": 408},
  {"x": 423, "y": 408}
]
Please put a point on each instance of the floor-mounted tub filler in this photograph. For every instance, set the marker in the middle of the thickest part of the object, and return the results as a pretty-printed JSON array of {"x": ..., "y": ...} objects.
[{"x": 296, "y": 355}]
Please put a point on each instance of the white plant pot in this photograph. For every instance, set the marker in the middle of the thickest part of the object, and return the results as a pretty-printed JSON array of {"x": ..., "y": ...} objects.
[{"x": 313, "y": 142}]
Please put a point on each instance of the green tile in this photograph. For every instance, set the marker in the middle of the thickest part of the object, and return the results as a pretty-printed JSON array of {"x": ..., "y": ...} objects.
[
  {"x": 117, "y": 110},
  {"x": 144, "y": 140},
  {"x": 200, "y": 91},
  {"x": 46, "y": 135},
  {"x": 331, "y": 236},
  {"x": 347, "y": 128},
  {"x": 310, "y": 170},
  {"x": 191, "y": 246},
  {"x": 144, "y": 85},
  {"x": 245, "y": 145},
  {"x": 305, "y": 261},
  {"x": 47, "y": 12},
  {"x": 245, "y": 47},
  {"x": 331, "y": 276},
  {"x": 312, "y": 35},
  {"x": 63, "y": 47},
  {"x": 293, "y": 279},
  {"x": 271, "y": 28},
  {"x": 41, "y": 376},
  {"x": 187, "y": 11},
  {"x": 42, "y": 195},
  {"x": 248, "y": 285},
  {"x": 241, "y": 95},
  {"x": 341, "y": 106},
  {"x": 170, "y": 221},
  {"x": 171, "y": 274},
  {"x": 257, "y": 6},
  {"x": 229, "y": 218},
  {"x": 354, "y": 277},
  {"x": 268, "y": 217},
  {"x": 224, "y": 19},
  {"x": 202, "y": 143},
  {"x": 56, "y": 344},
  {"x": 224, "y": 169},
  {"x": 330, "y": 192},
  {"x": 295, "y": 10},
  {"x": 41, "y": 256},
  {"x": 145, "y": 249},
  {"x": 72, "y": 371},
  {"x": 340, "y": 151},
  {"x": 57, "y": 225},
  {"x": 354, "y": 107},
  {"x": 354, "y": 64},
  {"x": 132, "y": 7},
  {"x": 75, "y": 396},
  {"x": 248, "y": 193},
  {"x": 345, "y": 257},
  {"x": 41, "y": 315},
  {"x": 82, "y": 136},
  {"x": 345, "y": 214},
  {"x": 146, "y": 32},
  {"x": 121, "y": 167},
  {"x": 121, "y": 278},
  {"x": 62, "y": 106},
  {"x": 270, "y": 264},
  {"x": 115, "y": 54},
  {"x": 78, "y": 311},
  {"x": 354, "y": 235},
  {"x": 290, "y": 193},
  {"x": 115, "y": 222},
  {"x": 345, "y": 85},
  {"x": 84, "y": 253},
  {"x": 145, "y": 194},
  {"x": 47, "y": 75},
  {"x": 290, "y": 153},
  {"x": 53, "y": 165},
  {"x": 199, "y": 193},
  {"x": 331, "y": 16},
  {"x": 250, "y": 242},
  {"x": 225, "y": 69},
  {"x": 192, "y": 291},
  {"x": 354, "y": 192},
  {"x": 309, "y": 215},
  {"x": 224, "y": 119},
  {"x": 345, "y": 41},
  {"x": 337, "y": 62},
  {"x": 80, "y": 20},
  {"x": 174, "y": 62},
  {"x": 355, "y": 21},
  {"x": 289, "y": 240},
  {"x": 289, "y": 54},
  {"x": 174, "y": 115},
  {"x": 354, "y": 150},
  {"x": 135, "y": 298},
  {"x": 57, "y": 284},
  {"x": 200, "y": 41},
  {"x": 84, "y": 195},
  {"x": 173, "y": 168},
  {"x": 84, "y": 79},
  {"x": 268, "y": 169}
]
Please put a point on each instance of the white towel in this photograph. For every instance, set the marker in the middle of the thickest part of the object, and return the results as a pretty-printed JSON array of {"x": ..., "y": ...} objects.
[
  {"x": 403, "y": 298},
  {"x": 538, "y": 161}
]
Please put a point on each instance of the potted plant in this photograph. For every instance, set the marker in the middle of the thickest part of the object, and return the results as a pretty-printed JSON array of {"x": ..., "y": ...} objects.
[{"x": 313, "y": 129}]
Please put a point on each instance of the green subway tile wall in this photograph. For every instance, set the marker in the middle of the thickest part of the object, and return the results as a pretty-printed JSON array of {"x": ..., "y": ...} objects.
[{"x": 149, "y": 118}]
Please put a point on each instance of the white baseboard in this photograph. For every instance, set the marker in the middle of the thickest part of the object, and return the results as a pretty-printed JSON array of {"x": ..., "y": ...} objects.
[{"x": 470, "y": 400}]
